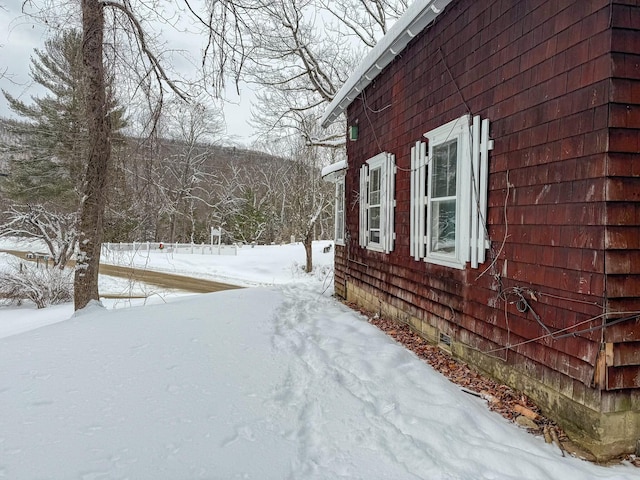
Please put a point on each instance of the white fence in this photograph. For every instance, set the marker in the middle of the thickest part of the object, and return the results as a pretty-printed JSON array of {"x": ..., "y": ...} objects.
[{"x": 190, "y": 248}]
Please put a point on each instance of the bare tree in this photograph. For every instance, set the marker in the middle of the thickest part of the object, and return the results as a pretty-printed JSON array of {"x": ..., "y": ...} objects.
[
  {"x": 276, "y": 42},
  {"x": 366, "y": 20},
  {"x": 97, "y": 168},
  {"x": 56, "y": 230},
  {"x": 304, "y": 198},
  {"x": 299, "y": 53},
  {"x": 298, "y": 68},
  {"x": 193, "y": 128},
  {"x": 91, "y": 228},
  {"x": 99, "y": 128},
  {"x": 3, "y": 69}
]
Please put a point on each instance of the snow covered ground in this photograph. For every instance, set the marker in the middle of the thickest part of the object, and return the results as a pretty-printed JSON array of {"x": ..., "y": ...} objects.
[
  {"x": 278, "y": 381},
  {"x": 253, "y": 266}
]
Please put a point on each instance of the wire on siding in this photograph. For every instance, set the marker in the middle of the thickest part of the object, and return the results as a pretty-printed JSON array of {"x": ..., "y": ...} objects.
[{"x": 632, "y": 315}]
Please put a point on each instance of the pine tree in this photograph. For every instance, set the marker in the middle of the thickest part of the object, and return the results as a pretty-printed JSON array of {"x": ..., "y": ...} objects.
[{"x": 48, "y": 162}]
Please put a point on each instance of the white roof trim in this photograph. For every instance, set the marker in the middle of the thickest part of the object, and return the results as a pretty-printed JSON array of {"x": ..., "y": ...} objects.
[
  {"x": 332, "y": 172},
  {"x": 420, "y": 14}
]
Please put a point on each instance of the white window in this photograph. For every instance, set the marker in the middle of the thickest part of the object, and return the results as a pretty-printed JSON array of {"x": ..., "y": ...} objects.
[
  {"x": 377, "y": 203},
  {"x": 449, "y": 194},
  {"x": 339, "y": 213},
  {"x": 335, "y": 173},
  {"x": 443, "y": 175}
]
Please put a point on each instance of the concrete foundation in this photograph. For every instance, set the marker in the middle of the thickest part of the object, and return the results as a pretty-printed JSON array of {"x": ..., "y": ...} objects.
[{"x": 607, "y": 424}]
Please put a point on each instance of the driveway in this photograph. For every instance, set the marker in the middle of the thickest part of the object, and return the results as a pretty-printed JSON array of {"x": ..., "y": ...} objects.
[{"x": 160, "y": 279}]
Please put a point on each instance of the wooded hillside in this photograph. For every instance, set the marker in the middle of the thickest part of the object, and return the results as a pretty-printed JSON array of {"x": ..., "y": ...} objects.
[{"x": 176, "y": 191}]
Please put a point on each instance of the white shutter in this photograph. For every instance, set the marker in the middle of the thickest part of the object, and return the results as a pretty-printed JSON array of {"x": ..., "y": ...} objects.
[
  {"x": 384, "y": 203},
  {"x": 414, "y": 247},
  {"x": 475, "y": 190},
  {"x": 364, "y": 204},
  {"x": 481, "y": 144},
  {"x": 389, "y": 203},
  {"x": 339, "y": 211},
  {"x": 385, "y": 163},
  {"x": 418, "y": 200},
  {"x": 486, "y": 144},
  {"x": 464, "y": 207}
]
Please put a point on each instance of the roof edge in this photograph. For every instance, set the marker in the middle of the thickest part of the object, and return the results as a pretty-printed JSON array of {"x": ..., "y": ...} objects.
[
  {"x": 420, "y": 14},
  {"x": 332, "y": 172}
]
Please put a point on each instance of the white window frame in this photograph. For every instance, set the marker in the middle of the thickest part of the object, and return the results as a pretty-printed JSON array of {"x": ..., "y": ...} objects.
[
  {"x": 454, "y": 131},
  {"x": 473, "y": 145},
  {"x": 385, "y": 204},
  {"x": 340, "y": 199}
]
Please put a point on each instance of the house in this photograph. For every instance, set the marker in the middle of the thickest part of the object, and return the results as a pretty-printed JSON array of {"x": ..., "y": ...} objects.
[{"x": 491, "y": 197}]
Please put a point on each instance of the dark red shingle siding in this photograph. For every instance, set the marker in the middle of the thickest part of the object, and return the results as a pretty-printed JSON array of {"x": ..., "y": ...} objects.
[{"x": 565, "y": 159}]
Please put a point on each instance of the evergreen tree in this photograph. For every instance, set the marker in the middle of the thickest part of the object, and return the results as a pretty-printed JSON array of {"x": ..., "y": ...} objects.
[{"x": 47, "y": 162}]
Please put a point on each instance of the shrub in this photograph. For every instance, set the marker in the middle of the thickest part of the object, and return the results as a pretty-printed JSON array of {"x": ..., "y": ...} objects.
[{"x": 43, "y": 286}]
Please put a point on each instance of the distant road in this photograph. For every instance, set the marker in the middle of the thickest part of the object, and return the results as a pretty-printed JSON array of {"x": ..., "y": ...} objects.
[{"x": 160, "y": 279}]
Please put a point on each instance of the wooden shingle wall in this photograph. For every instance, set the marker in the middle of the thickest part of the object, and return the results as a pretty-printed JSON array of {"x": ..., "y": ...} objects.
[
  {"x": 340, "y": 267},
  {"x": 564, "y": 186},
  {"x": 622, "y": 240}
]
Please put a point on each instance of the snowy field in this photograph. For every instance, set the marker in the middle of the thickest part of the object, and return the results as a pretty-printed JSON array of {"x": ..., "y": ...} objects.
[
  {"x": 278, "y": 381},
  {"x": 261, "y": 265}
]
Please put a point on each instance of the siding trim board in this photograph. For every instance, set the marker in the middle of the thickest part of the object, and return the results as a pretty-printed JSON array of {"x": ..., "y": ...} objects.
[{"x": 559, "y": 94}]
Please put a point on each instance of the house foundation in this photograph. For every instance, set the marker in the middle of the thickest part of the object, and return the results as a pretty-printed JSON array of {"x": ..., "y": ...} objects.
[{"x": 607, "y": 424}]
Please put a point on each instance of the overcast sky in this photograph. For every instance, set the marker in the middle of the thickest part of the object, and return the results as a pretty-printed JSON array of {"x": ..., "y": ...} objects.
[{"x": 19, "y": 35}]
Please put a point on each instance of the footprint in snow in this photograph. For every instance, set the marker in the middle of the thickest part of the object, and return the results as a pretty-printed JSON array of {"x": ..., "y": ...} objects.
[{"x": 242, "y": 433}]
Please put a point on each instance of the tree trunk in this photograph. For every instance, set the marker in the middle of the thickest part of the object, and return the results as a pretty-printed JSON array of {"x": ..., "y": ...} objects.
[
  {"x": 307, "y": 242},
  {"x": 173, "y": 218},
  {"x": 99, "y": 130}
]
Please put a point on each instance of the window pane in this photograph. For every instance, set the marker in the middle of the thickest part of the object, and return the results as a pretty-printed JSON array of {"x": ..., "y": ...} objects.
[
  {"x": 374, "y": 217},
  {"x": 374, "y": 187},
  {"x": 444, "y": 169},
  {"x": 374, "y": 180},
  {"x": 443, "y": 226},
  {"x": 375, "y": 200}
]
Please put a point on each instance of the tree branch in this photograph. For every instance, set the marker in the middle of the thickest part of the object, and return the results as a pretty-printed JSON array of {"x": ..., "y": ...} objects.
[{"x": 140, "y": 35}]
